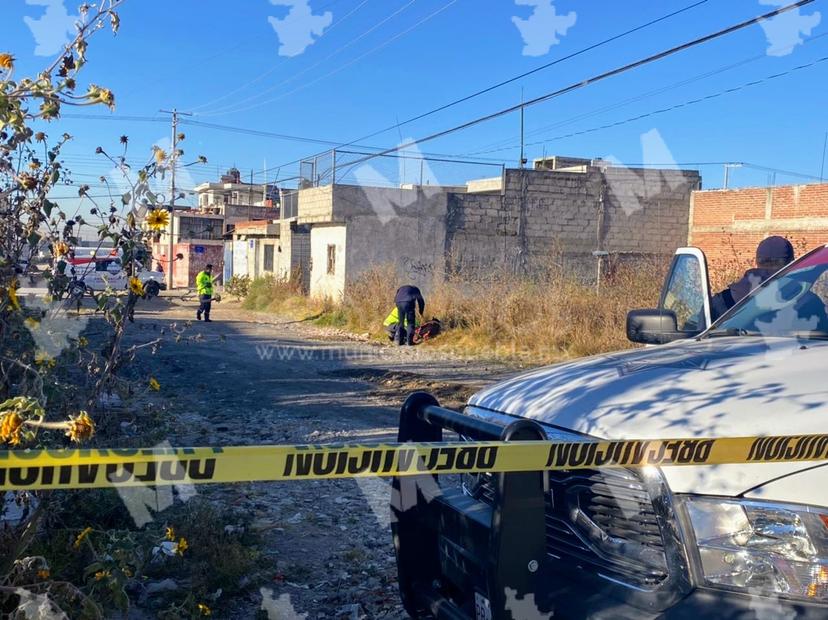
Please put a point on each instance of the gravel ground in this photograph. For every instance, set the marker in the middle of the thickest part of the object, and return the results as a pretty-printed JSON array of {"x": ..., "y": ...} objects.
[{"x": 248, "y": 378}]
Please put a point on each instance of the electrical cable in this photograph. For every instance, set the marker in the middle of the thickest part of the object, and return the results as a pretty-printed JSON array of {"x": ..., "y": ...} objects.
[
  {"x": 624, "y": 102},
  {"x": 663, "y": 110},
  {"x": 220, "y": 110},
  {"x": 338, "y": 69},
  {"x": 515, "y": 78},
  {"x": 597, "y": 78},
  {"x": 528, "y": 73}
]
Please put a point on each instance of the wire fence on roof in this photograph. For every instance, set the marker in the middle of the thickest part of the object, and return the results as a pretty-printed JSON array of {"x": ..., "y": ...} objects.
[{"x": 402, "y": 169}]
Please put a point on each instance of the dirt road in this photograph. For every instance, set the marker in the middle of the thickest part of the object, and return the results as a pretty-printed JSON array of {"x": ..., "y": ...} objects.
[{"x": 249, "y": 378}]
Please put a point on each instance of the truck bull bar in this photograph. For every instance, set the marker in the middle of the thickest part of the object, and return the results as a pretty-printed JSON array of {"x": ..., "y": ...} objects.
[{"x": 459, "y": 558}]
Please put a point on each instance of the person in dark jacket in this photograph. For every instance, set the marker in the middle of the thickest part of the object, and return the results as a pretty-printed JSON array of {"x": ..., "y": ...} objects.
[
  {"x": 772, "y": 254},
  {"x": 407, "y": 300}
]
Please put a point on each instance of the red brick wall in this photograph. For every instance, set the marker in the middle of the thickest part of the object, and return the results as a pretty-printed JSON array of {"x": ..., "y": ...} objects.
[
  {"x": 186, "y": 269},
  {"x": 729, "y": 224}
]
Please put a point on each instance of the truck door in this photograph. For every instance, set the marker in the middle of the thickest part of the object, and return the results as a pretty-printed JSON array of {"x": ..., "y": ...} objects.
[
  {"x": 112, "y": 274},
  {"x": 686, "y": 290}
]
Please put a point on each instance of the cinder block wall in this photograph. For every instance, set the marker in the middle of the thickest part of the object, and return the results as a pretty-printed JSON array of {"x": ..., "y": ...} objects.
[
  {"x": 316, "y": 204},
  {"x": 403, "y": 227},
  {"x": 729, "y": 224},
  {"x": 547, "y": 214}
]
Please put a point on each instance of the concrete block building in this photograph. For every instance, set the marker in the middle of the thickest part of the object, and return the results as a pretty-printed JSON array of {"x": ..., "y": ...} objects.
[
  {"x": 564, "y": 207},
  {"x": 199, "y": 234}
]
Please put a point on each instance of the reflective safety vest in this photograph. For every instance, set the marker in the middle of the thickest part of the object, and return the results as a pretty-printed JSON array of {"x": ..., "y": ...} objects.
[
  {"x": 394, "y": 318},
  {"x": 204, "y": 284}
]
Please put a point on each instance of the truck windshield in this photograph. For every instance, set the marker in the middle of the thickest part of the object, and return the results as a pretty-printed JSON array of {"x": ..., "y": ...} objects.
[{"x": 791, "y": 304}]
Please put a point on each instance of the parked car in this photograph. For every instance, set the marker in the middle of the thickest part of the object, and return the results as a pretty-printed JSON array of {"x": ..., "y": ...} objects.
[
  {"x": 99, "y": 274},
  {"x": 731, "y": 541}
]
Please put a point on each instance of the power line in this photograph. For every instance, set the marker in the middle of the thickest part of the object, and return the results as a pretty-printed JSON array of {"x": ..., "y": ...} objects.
[
  {"x": 514, "y": 79},
  {"x": 502, "y": 83},
  {"x": 258, "y": 132},
  {"x": 592, "y": 80},
  {"x": 337, "y": 70},
  {"x": 115, "y": 117},
  {"x": 646, "y": 95},
  {"x": 272, "y": 69},
  {"x": 388, "y": 18},
  {"x": 616, "y": 105},
  {"x": 663, "y": 110}
]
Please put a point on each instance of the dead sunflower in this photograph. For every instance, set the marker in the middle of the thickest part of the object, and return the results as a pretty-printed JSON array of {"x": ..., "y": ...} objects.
[
  {"x": 182, "y": 546},
  {"x": 96, "y": 94},
  {"x": 11, "y": 295},
  {"x": 11, "y": 424},
  {"x": 81, "y": 427},
  {"x": 157, "y": 219},
  {"x": 82, "y": 536},
  {"x": 27, "y": 181}
]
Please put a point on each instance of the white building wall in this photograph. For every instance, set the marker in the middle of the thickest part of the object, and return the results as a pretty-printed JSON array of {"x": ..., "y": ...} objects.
[
  {"x": 240, "y": 266},
  {"x": 323, "y": 283}
]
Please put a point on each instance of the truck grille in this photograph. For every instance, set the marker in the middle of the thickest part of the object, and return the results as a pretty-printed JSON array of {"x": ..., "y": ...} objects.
[
  {"x": 601, "y": 521},
  {"x": 604, "y": 521}
]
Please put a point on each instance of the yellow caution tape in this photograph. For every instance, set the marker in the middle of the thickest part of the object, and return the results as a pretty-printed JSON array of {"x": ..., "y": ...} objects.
[{"x": 87, "y": 469}]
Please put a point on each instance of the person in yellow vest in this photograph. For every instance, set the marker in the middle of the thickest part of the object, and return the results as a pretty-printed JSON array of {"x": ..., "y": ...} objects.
[
  {"x": 204, "y": 286},
  {"x": 392, "y": 323}
]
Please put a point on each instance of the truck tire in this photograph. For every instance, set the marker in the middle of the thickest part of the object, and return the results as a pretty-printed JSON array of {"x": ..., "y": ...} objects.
[
  {"x": 76, "y": 293},
  {"x": 151, "y": 289}
]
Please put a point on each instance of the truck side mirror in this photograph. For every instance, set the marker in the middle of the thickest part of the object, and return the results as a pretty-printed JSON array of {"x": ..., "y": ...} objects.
[{"x": 654, "y": 327}]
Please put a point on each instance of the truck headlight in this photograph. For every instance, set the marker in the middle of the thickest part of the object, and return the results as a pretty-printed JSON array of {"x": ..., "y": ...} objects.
[{"x": 761, "y": 548}]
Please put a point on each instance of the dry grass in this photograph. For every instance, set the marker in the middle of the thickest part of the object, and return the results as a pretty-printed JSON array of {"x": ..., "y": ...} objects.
[
  {"x": 282, "y": 296},
  {"x": 542, "y": 319}
]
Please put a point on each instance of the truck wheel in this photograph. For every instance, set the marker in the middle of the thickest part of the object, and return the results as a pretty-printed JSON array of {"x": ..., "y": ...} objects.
[
  {"x": 76, "y": 291},
  {"x": 151, "y": 289}
]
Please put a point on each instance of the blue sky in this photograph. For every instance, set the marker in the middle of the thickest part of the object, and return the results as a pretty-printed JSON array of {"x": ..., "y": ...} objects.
[{"x": 381, "y": 61}]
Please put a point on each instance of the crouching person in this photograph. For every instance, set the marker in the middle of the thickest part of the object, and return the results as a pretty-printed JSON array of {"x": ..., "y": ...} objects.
[
  {"x": 408, "y": 300},
  {"x": 392, "y": 324}
]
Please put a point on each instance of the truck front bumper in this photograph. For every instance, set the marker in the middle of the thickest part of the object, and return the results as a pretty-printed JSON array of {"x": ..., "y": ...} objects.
[{"x": 461, "y": 558}]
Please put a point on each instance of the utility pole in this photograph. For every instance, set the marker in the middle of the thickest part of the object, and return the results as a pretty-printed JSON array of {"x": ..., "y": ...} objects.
[
  {"x": 522, "y": 158},
  {"x": 822, "y": 166},
  {"x": 173, "y": 162}
]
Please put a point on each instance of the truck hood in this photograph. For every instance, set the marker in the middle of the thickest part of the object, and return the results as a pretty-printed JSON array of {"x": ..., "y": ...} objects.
[{"x": 720, "y": 387}]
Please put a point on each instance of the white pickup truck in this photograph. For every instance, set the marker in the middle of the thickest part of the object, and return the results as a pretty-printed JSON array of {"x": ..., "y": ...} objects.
[{"x": 731, "y": 541}]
